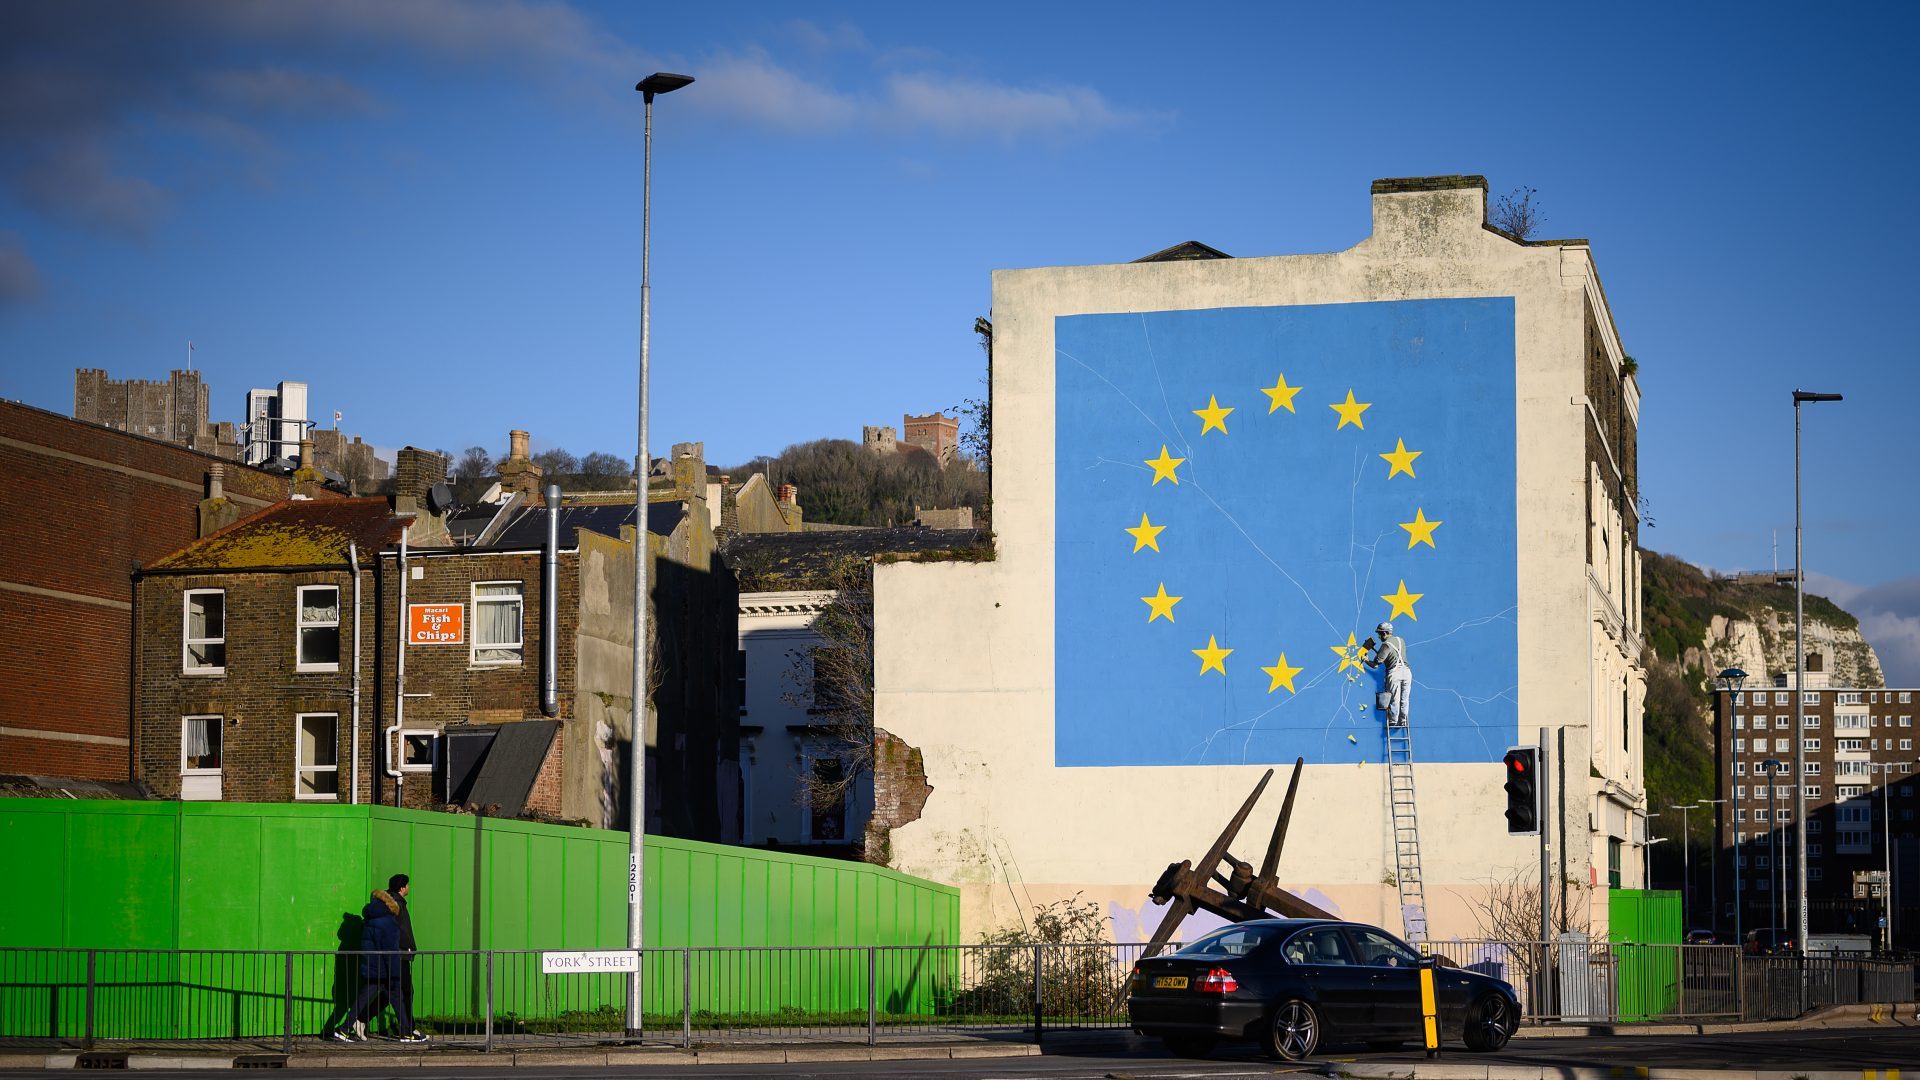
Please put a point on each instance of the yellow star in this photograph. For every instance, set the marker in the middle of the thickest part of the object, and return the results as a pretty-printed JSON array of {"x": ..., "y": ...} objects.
[
  {"x": 1401, "y": 459},
  {"x": 1213, "y": 657},
  {"x": 1349, "y": 656},
  {"x": 1282, "y": 675},
  {"x": 1162, "y": 605},
  {"x": 1282, "y": 395},
  {"x": 1164, "y": 466},
  {"x": 1402, "y": 602},
  {"x": 1214, "y": 415},
  {"x": 1420, "y": 530},
  {"x": 1350, "y": 411},
  {"x": 1147, "y": 535}
]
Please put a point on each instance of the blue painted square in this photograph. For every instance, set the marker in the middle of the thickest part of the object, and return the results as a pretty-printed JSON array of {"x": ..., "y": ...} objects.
[{"x": 1285, "y": 532}]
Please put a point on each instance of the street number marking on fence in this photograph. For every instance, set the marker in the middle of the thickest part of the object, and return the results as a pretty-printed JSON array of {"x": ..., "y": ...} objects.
[{"x": 577, "y": 963}]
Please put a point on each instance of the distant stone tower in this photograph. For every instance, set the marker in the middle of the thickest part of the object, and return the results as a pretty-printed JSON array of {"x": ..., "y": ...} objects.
[
  {"x": 174, "y": 411},
  {"x": 936, "y": 434},
  {"x": 879, "y": 440}
]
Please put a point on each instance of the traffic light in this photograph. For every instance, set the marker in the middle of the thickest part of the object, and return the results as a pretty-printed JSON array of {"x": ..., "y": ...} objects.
[{"x": 1523, "y": 790}]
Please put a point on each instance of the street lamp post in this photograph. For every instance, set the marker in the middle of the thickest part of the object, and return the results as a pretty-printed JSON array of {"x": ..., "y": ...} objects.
[
  {"x": 1776, "y": 841},
  {"x": 1734, "y": 680},
  {"x": 1800, "y": 397},
  {"x": 1886, "y": 847},
  {"x": 1713, "y": 870},
  {"x": 1686, "y": 866},
  {"x": 652, "y": 86}
]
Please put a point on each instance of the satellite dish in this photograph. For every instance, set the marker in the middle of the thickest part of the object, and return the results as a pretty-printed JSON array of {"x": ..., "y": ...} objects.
[{"x": 439, "y": 498}]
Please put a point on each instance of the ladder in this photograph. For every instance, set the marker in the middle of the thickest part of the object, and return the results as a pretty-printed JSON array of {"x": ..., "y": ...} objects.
[{"x": 1406, "y": 832}]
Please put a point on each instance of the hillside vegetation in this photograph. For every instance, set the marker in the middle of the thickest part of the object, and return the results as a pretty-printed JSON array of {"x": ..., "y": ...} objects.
[{"x": 843, "y": 483}]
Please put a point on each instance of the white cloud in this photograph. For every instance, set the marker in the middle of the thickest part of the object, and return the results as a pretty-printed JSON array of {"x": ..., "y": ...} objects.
[
  {"x": 19, "y": 277},
  {"x": 965, "y": 107},
  {"x": 752, "y": 86}
]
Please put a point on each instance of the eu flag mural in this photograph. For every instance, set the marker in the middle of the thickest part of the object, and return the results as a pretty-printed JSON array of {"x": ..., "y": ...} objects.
[{"x": 1244, "y": 494}]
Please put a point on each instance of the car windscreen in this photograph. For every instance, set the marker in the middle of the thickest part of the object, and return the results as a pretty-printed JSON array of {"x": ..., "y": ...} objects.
[{"x": 1229, "y": 942}]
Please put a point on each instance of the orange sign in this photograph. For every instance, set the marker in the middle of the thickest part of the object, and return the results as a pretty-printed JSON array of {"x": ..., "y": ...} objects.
[{"x": 436, "y": 624}]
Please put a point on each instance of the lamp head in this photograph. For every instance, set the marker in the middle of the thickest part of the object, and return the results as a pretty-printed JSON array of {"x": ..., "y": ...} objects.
[
  {"x": 1808, "y": 395},
  {"x": 664, "y": 82}
]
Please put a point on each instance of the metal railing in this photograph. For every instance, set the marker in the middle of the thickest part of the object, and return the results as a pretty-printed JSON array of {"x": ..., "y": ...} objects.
[{"x": 503, "y": 998}]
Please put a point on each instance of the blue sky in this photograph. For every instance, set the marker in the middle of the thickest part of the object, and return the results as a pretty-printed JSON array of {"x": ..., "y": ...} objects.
[{"x": 430, "y": 211}]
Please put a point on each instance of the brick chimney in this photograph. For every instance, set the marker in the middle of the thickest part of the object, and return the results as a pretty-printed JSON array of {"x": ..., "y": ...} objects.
[
  {"x": 216, "y": 510},
  {"x": 414, "y": 471},
  {"x": 787, "y": 498},
  {"x": 308, "y": 480},
  {"x": 518, "y": 473}
]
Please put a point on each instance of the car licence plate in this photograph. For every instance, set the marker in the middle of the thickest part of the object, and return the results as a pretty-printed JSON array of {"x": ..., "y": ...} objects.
[{"x": 1170, "y": 982}]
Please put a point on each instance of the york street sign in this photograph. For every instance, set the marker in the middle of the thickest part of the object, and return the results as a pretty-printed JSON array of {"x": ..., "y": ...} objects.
[{"x": 577, "y": 963}]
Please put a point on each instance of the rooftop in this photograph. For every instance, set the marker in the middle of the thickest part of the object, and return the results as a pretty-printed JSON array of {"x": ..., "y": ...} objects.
[{"x": 292, "y": 533}]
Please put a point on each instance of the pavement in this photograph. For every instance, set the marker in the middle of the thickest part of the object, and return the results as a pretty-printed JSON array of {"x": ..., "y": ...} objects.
[{"x": 1534, "y": 1046}]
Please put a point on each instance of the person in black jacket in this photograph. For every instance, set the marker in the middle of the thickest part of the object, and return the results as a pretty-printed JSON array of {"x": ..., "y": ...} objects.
[
  {"x": 383, "y": 966},
  {"x": 397, "y": 887}
]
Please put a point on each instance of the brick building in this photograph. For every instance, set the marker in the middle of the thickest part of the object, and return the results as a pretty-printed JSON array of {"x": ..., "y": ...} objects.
[
  {"x": 1860, "y": 765},
  {"x": 250, "y": 692},
  {"x": 85, "y": 505}
]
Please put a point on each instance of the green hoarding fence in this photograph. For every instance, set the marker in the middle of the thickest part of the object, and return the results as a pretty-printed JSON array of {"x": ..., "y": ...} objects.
[
  {"x": 1650, "y": 979},
  {"x": 198, "y": 881}
]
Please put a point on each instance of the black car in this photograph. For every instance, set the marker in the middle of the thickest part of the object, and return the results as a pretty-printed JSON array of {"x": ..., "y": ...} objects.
[{"x": 1294, "y": 985}]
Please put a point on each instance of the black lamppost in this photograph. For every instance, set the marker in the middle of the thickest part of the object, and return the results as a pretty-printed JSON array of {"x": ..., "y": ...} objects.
[
  {"x": 1734, "y": 681},
  {"x": 651, "y": 86}
]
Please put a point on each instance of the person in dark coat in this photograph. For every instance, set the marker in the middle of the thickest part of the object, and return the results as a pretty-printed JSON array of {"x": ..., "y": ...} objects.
[
  {"x": 383, "y": 968},
  {"x": 397, "y": 887}
]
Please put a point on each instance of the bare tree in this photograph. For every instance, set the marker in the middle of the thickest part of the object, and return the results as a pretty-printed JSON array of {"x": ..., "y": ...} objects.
[
  {"x": 1516, "y": 214},
  {"x": 556, "y": 464},
  {"x": 834, "y": 681},
  {"x": 471, "y": 472},
  {"x": 1508, "y": 915},
  {"x": 603, "y": 470}
]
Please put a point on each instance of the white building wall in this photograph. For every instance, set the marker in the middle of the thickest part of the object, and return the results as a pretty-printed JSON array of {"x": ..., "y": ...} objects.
[{"x": 965, "y": 652}]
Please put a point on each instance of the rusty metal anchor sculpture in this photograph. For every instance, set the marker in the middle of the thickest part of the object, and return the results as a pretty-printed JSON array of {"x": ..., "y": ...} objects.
[{"x": 1239, "y": 894}]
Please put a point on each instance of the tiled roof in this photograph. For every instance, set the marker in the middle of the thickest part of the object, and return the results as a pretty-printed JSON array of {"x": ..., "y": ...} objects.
[
  {"x": 294, "y": 533},
  {"x": 799, "y": 560},
  {"x": 529, "y": 527}
]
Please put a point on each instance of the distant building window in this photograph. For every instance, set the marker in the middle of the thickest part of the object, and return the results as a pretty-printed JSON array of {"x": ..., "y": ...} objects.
[
  {"x": 1780, "y": 697},
  {"x": 200, "y": 744},
  {"x": 1906, "y": 744},
  {"x": 417, "y": 750},
  {"x": 1848, "y": 791},
  {"x": 318, "y": 627},
  {"x": 1811, "y": 697},
  {"x": 1739, "y": 746},
  {"x": 1809, "y": 720},
  {"x": 1739, "y": 723},
  {"x": 1739, "y": 768},
  {"x": 1760, "y": 723},
  {"x": 497, "y": 611},
  {"x": 1739, "y": 697},
  {"x": 1813, "y": 791},
  {"x": 1815, "y": 873},
  {"x": 205, "y": 632},
  {"x": 1906, "y": 697},
  {"x": 316, "y": 756},
  {"x": 1849, "y": 698},
  {"x": 1813, "y": 851},
  {"x": 1613, "y": 862},
  {"x": 1779, "y": 746},
  {"x": 1810, "y": 744},
  {"x": 1740, "y": 815},
  {"x": 1810, "y": 768},
  {"x": 1906, "y": 721},
  {"x": 1783, "y": 815},
  {"x": 1740, "y": 791}
]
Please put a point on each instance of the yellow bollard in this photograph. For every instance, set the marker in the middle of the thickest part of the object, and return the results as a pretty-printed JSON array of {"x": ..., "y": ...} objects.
[{"x": 1428, "y": 1008}]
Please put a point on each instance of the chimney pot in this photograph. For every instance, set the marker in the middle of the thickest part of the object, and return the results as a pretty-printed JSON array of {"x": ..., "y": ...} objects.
[
  {"x": 788, "y": 493},
  {"x": 517, "y": 445}
]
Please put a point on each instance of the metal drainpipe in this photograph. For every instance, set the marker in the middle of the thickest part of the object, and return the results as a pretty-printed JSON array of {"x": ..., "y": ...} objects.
[
  {"x": 397, "y": 766},
  {"x": 353, "y": 562},
  {"x": 549, "y": 606}
]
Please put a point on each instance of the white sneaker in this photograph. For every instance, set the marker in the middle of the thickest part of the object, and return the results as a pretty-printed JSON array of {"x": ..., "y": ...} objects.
[
  {"x": 344, "y": 1035},
  {"x": 359, "y": 1031}
]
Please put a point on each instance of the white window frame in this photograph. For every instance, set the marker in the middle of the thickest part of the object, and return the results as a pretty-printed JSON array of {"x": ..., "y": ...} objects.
[
  {"x": 475, "y": 645},
  {"x": 1813, "y": 791},
  {"x": 219, "y": 727},
  {"x": 1780, "y": 697},
  {"x": 433, "y": 748},
  {"x": 301, "y": 767},
  {"x": 1809, "y": 697},
  {"x": 187, "y": 641},
  {"x": 1810, "y": 745},
  {"x": 301, "y": 625},
  {"x": 1740, "y": 768},
  {"x": 1739, "y": 746}
]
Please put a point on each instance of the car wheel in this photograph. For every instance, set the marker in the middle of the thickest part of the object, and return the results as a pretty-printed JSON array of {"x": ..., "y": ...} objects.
[
  {"x": 1293, "y": 1033},
  {"x": 1188, "y": 1046},
  {"x": 1490, "y": 1023}
]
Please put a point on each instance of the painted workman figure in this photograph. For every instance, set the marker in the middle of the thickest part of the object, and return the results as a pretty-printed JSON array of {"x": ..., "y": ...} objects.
[{"x": 1391, "y": 654}]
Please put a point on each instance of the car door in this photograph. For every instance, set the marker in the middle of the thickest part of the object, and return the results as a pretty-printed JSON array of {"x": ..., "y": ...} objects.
[
  {"x": 1393, "y": 983},
  {"x": 1323, "y": 959}
]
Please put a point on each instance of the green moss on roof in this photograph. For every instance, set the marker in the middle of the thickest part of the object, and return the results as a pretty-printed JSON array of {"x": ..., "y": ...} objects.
[{"x": 288, "y": 534}]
